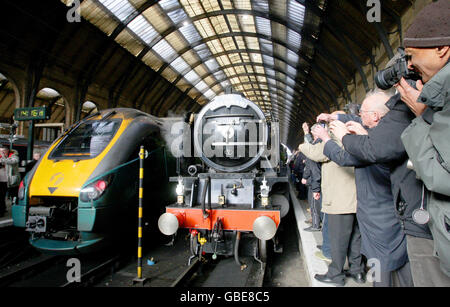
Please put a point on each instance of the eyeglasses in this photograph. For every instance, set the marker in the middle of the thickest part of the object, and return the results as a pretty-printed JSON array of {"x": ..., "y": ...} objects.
[{"x": 362, "y": 111}]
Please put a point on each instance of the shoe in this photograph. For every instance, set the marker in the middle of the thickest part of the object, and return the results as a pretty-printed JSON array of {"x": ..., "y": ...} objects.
[
  {"x": 324, "y": 278},
  {"x": 359, "y": 278},
  {"x": 321, "y": 256},
  {"x": 319, "y": 247},
  {"x": 312, "y": 229}
]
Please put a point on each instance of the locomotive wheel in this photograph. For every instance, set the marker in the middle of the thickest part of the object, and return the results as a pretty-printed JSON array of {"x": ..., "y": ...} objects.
[{"x": 194, "y": 246}]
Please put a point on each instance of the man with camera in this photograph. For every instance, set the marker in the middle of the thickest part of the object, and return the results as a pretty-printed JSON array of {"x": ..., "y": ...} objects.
[
  {"x": 9, "y": 174},
  {"x": 427, "y": 139},
  {"x": 339, "y": 205}
]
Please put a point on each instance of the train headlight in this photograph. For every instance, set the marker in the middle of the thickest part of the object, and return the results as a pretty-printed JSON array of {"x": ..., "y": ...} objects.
[
  {"x": 180, "y": 191},
  {"x": 264, "y": 193},
  {"x": 94, "y": 190},
  {"x": 21, "y": 192}
]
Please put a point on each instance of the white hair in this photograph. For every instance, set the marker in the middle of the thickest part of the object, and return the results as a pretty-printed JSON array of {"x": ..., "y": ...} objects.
[{"x": 380, "y": 104}]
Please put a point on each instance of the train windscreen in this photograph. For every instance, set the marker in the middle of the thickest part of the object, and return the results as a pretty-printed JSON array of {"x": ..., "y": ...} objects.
[{"x": 86, "y": 141}]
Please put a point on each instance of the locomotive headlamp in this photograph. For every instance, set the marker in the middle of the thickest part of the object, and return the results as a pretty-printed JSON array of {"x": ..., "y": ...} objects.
[
  {"x": 169, "y": 223},
  {"x": 264, "y": 193},
  {"x": 180, "y": 191},
  {"x": 264, "y": 228}
]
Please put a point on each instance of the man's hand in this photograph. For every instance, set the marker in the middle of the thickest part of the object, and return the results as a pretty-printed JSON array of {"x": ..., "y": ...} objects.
[
  {"x": 321, "y": 133},
  {"x": 316, "y": 195},
  {"x": 304, "y": 181},
  {"x": 339, "y": 129},
  {"x": 356, "y": 128},
  {"x": 326, "y": 117},
  {"x": 305, "y": 128},
  {"x": 410, "y": 96}
]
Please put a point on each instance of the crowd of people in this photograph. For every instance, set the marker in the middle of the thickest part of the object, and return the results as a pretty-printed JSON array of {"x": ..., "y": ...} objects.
[{"x": 378, "y": 182}]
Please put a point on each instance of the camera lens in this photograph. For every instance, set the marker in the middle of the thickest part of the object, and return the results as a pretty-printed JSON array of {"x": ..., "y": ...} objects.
[{"x": 386, "y": 78}]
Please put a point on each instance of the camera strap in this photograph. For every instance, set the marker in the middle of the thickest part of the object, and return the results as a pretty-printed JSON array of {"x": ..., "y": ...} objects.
[{"x": 421, "y": 216}]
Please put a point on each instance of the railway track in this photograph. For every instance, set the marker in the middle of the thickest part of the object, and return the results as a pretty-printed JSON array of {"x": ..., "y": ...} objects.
[
  {"x": 14, "y": 247},
  {"x": 58, "y": 271}
]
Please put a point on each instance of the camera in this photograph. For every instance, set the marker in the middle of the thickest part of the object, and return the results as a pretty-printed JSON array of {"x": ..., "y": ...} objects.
[
  {"x": 386, "y": 78},
  {"x": 323, "y": 123}
]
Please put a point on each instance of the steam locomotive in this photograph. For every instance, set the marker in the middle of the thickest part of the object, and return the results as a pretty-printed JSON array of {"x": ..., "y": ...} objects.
[{"x": 231, "y": 187}]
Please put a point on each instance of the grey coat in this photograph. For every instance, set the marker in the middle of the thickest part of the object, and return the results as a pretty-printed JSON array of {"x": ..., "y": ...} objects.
[{"x": 427, "y": 142}]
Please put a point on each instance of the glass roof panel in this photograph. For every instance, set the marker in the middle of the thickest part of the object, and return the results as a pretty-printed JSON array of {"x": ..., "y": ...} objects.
[
  {"x": 190, "y": 33},
  {"x": 192, "y": 77},
  {"x": 120, "y": 8},
  {"x": 261, "y": 5},
  {"x": 268, "y": 60},
  {"x": 219, "y": 24},
  {"x": 142, "y": 28},
  {"x": 296, "y": 13},
  {"x": 242, "y": 4},
  {"x": 180, "y": 65},
  {"x": 201, "y": 86},
  {"x": 233, "y": 23},
  {"x": 291, "y": 70},
  {"x": 294, "y": 39},
  {"x": 263, "y": 26},
  {"x": 165, "y": 50},
  {"x": 291, "y": 56}
]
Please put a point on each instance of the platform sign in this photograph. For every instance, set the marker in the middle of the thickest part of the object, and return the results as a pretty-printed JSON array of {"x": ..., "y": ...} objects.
[{"x": 33, "y": 113}]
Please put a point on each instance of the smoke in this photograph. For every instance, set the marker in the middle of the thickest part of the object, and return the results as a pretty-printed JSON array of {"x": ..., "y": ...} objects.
[{"x": 172, "y": 128}]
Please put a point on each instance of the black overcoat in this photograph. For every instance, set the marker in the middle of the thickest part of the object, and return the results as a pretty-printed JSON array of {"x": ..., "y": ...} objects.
[
  {"x": 384, "y": 145},
  {"x": 382, "y": 236}
]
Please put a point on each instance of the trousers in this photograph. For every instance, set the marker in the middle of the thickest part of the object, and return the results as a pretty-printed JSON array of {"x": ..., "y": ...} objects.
[
  {"x": 345, "y": 242},
  {"x": 425, "y": 268}
]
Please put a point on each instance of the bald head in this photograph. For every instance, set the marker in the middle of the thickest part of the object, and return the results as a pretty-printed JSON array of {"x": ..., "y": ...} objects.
[{"x": 374, "y": 107}]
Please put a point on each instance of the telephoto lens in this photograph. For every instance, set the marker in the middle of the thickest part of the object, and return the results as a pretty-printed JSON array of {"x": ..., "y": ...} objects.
[{"x": 386, "y": 78}]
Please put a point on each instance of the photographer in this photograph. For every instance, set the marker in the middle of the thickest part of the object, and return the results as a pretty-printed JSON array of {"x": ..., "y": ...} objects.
[
  {"x": 312, "y": 179},
  {"x": 339, "y": 205},
  {"x": 9, "y": 175},
  {"x": 427, "y": 139}
]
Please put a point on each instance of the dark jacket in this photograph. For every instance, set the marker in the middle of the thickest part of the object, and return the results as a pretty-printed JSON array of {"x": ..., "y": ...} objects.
[
  {"x": 299, "y": 165},
  {"x": 313, "y": 173},
  {"x": 384, "y": 145},
  {"x": 382, "y": 237}
]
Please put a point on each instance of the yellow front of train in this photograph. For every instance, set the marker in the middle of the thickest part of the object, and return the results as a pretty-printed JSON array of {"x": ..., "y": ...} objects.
[{"x": 67, "y": 199}]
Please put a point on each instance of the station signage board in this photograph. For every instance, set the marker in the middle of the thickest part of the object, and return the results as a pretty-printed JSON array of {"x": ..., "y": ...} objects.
[{"x": 32, "y": 113}]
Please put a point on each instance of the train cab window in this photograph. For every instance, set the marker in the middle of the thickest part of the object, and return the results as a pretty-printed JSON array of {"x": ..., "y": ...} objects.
[{"x": 86, "y": 141}]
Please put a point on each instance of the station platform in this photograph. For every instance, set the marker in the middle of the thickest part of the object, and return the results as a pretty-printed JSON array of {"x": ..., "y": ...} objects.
[{"x": 308, "y": 242}]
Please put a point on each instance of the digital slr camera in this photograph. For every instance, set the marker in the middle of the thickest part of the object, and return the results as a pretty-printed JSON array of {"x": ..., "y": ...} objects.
[{"x": 386, "y": 78}]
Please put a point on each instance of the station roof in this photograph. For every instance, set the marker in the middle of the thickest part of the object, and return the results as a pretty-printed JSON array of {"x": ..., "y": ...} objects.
[{"x": 291, "y": 57}]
